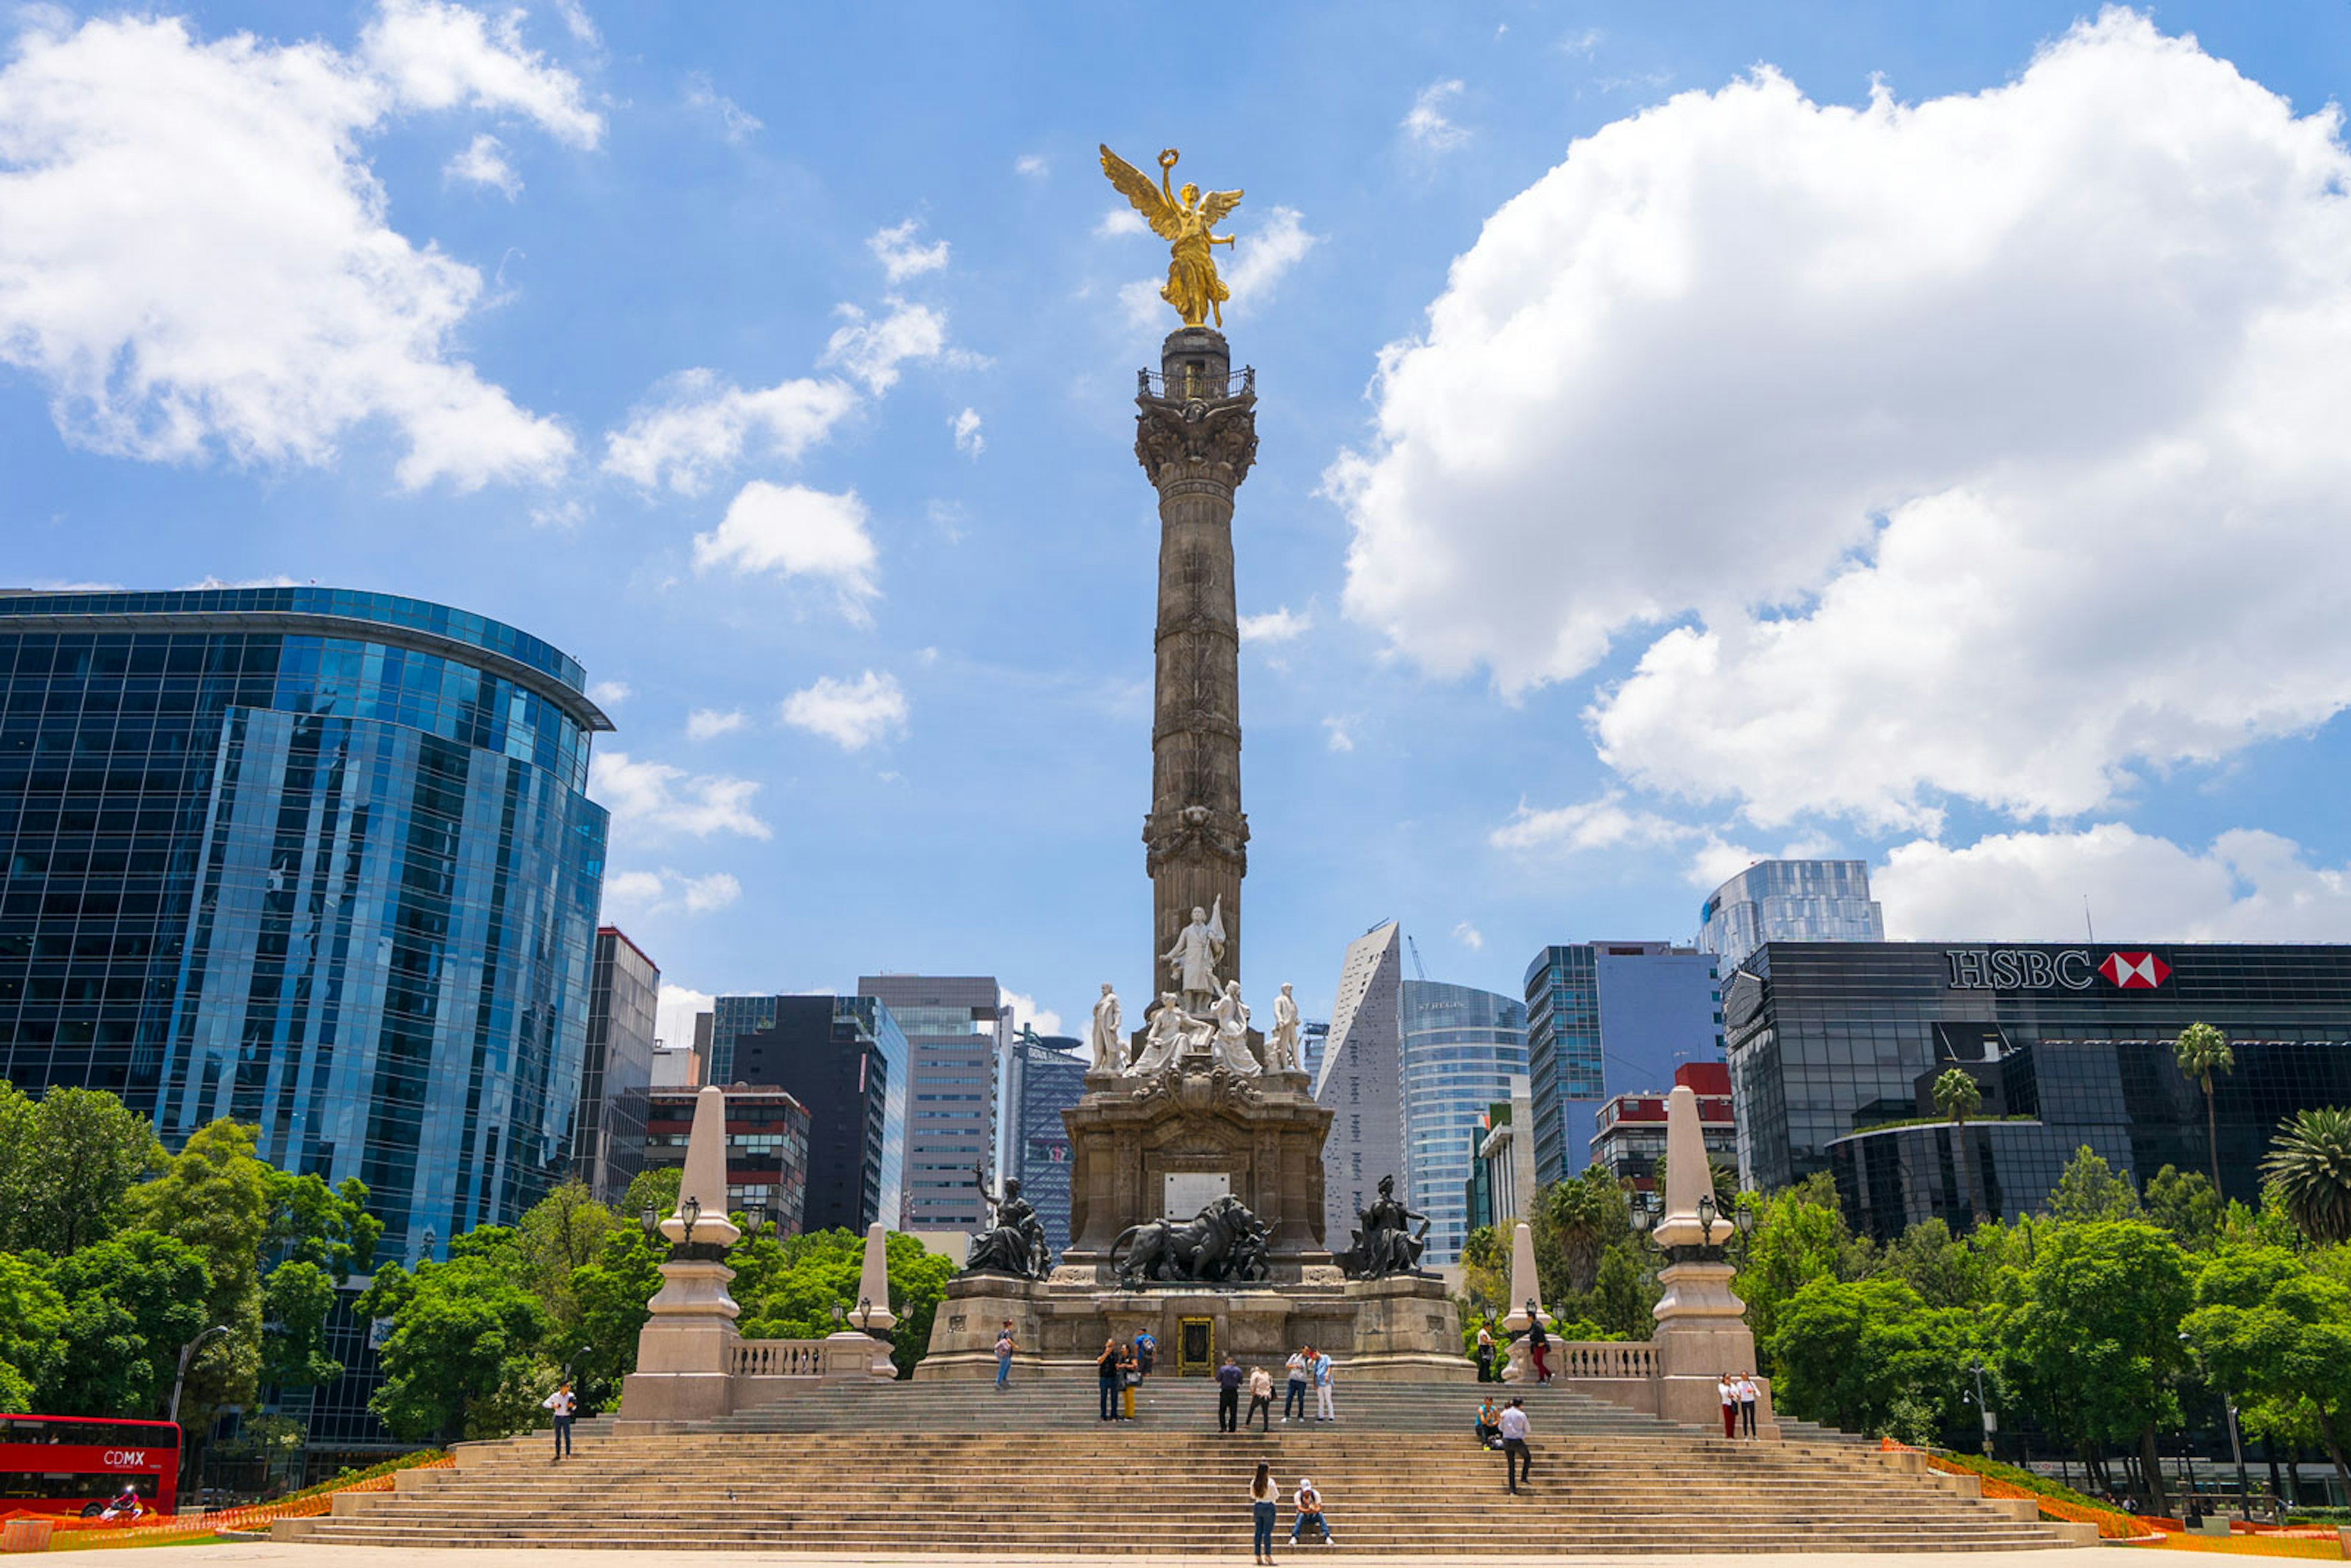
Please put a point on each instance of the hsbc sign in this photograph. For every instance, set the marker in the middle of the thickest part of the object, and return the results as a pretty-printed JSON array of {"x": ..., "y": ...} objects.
[{"x": 2058, "y": 969}]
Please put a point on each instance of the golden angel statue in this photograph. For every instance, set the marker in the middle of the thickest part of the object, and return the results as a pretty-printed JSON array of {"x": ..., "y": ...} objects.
[{"x": 1183, "y": 218}]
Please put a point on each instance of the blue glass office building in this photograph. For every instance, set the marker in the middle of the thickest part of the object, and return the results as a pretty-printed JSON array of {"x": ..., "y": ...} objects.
[
  {"x": 1605, "y": 1018},
  {"x": 1462, "y": 1046},
  {"x": 317, "y": 859}
]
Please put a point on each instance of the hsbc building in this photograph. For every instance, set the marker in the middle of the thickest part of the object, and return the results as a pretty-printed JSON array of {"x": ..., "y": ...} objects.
[{"x": 1832, "y": 1044}]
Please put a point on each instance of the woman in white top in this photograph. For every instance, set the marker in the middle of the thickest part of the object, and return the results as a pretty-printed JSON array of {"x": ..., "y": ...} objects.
[
  {"x": 1265, "y": 1502},
  {"x": 1260, "y": 1387},
  {"x": 1729, "y": 1392},
  {"x": 1748, "y": 1393}
]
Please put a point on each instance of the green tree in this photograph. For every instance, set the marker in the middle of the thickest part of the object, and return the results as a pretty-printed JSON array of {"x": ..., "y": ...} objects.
[
  {"x": 2270, "y": 1327},
  {"x": 65, "y": 1162},
  {"x": 655, "y": 1188},
  {"x": 1870, "y": 1355},
  {"x": 135, "y": 1298},
  {"x": 2095, "y": 1344},
  {"x": 2186, "y": 1206},
  {"x": 2309, "y": 1166},
  {"x": 2088, "y": 1189},
  {"x": 1943, "y": 1270},
  {"x": 462, "y": 1359},
  {"x": 609, "y": 1297},
  {"x": 1958, "y": 1097},
  {"x": 1799, "y": 1236},
  {"x": 310, "y": 1222},
  {"x": 33, "y": 1316},
  {"x": 296, "y": 1298},
  {"x": 1485, "y": 1272},
  {"x": 2202, "y": 1050},
  {"x": 1575, "y": 1220},
  {"x": 214, "y": 1194},
  {"x": 787, "y": 1288}
]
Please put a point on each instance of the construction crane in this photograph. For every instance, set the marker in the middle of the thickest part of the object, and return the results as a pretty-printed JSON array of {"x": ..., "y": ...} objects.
[{"x": 1419, "y": 969}]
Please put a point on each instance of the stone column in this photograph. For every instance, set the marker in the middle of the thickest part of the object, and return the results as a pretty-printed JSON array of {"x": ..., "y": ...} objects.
[
  {"x": 865, "y": 1355},
  {"x": 1702, "y": 1329},
  {"x": 685, "y": 1351},
  {"x": 1525, "y": 1305},
  {"x": 1195, "y": 435}
]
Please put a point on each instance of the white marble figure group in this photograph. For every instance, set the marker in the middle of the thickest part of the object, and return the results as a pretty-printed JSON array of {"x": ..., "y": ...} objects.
[{"x": 1199, "y": 1017}]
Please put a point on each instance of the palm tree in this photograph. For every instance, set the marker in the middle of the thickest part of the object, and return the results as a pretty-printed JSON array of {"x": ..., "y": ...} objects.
[
  {"x": 1959, "y": 1096},
  {"x": 2201, "y": 1051},
  {"x": 2311, "y": 1164}
]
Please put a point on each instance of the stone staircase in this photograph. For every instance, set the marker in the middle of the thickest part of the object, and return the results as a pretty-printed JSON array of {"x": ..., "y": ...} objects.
[{"x": 962, "y": 1468}]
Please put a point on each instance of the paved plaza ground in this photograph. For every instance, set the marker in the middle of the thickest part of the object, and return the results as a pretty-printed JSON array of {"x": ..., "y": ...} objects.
[{"x": 264, "y": 1555}]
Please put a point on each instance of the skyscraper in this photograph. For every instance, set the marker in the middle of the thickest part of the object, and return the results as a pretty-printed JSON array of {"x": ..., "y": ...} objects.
[
  {"x": 1361, "y": 1080},
  {"x": 1789, "y": 901},
  {"x": 1462, "y": 1049},
  {"x": 1606, "y": 1019},
  {"x": 314, "y": 859},
  {"x": 956, "y": 1033},
  {"x": 845, "y": 1059},
  {"x": 608, "y": 1140},
  {"x": 1045, "y": 1075}
]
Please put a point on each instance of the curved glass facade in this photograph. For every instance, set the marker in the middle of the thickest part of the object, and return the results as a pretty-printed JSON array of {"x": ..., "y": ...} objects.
[
  {"x": 1461, "y": 1049},
  {"x": 316, "y": 860}
]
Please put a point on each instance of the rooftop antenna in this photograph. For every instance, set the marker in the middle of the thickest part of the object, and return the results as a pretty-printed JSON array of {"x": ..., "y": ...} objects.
[{"x": 2085, "y": 921}]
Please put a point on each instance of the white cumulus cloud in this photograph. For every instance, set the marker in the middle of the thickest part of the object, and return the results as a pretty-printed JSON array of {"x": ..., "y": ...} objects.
[
  {"x": 900, "y": 256},
  {"x": 1029, "y": 166},
  {"x": 608, "y": 694},
  {"x": 708, "y": 724},
  {"x": 1426, "y": 124},
  {"x": 1984, "y": 446},
  {"x": 2247, "y": 886},
  {"x": 794, "y": 531},
  {"x": 853, "y": 715},
  {"x": 659, "y": 893},
  {"x": 698, "y": 424},
  {"x": 1468, "y": 935},
  {"x": 736, "y": 123},
  {"x": 484, "y": 163},
  {"x": 197, "y": 259},
  {"x": 871, "y": 349},
  {"x": 968, "y": 438},
  {"x": 1044, "y": 1020},
  {"x": 1279, "y": 625},
  {"x": 1120, "y": 221},
  {"x": 1601, "y": 823},
  {"x": 652, "y": 800},
  {"x": 674, "y": 1014}
]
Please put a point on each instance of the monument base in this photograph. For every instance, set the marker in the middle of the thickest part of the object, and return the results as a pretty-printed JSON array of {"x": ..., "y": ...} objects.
[{"x": 1402, "y": 1330}]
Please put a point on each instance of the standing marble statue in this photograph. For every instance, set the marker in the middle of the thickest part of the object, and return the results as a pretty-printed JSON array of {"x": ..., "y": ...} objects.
[
  {"x": 1281, "y": 1045},
  {"x": 1110, "y": 1050},
  {"x": 1228, "y": 1048},
  {"x": 1192, "y": 961}
]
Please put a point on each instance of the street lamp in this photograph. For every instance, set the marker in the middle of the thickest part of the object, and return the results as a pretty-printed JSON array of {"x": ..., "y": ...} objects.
[
  {"x": 1983, "y": 1408},
  {"x": 2236, "y": 1446},
  {"x": 864, "y": 1313},
  {"x": 187, "y": 1354},
  {"x": 690, "y": 1212},
  {"x": 840, "y": 1311},
  {"x": 1706, "y": 1212},
  {"x": 650, "y": 1221}
]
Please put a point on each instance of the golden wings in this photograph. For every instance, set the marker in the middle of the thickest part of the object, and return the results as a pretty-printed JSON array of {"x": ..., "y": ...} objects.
[{"x": 1158, "y": 203}]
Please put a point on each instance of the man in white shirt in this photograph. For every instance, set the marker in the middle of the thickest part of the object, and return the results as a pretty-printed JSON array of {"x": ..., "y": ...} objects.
[
  {"x": 1517, "y": 1460},
  {"x": 563, "y": 1402},
  {"x": 1322, "y": 1411}
]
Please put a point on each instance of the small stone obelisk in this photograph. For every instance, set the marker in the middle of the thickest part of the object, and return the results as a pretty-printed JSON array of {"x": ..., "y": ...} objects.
[
  {"x": 1196, "y": 436},
  {"x": 1702, "y": 1329},
  {"x": 685, "y": 1350}
]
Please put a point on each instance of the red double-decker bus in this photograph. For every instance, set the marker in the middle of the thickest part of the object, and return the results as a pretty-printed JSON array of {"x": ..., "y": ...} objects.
[{"x": 76, "y": 1464}]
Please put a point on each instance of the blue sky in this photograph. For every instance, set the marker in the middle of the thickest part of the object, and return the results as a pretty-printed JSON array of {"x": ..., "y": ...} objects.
[{"x": 1949, "y": 477}]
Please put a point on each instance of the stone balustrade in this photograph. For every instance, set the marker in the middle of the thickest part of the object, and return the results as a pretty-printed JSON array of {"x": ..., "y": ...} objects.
[
  {"x": 1602, "y": 1358},
  {"x": 780, "y": 1358}
]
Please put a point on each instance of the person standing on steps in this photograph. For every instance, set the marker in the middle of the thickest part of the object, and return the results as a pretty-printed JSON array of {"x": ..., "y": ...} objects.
[
  {"x": 1228, "y": 1396},
  {"x": 1147, "y": 1352},
  {"x": 1106, "y": 1369},
  {"x": 1321, "y": 1369},
  {"x": 1260, "y": 1410},
  {"x": 1301, "y": 1361},
  {"x": 1538, "y": 1345},
  {"x": 1310, "y": 1509},
  {"x": 1747, "y": 1395},
  {"x": 563, "y": 1402},
  {"x": 1484, "y": 1354},
  {"x": 1517, "y": 1460},
  {"x": 1004, "y": 1355},
  {"x": 1130, "y": 1376},
  {"x": 1265, "y": 1504},
  {"x": 1729, "y": 1391}
]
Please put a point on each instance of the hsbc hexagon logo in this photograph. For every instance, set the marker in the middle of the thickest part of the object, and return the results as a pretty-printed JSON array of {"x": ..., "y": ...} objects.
[{"x": 2135, "y": 971}]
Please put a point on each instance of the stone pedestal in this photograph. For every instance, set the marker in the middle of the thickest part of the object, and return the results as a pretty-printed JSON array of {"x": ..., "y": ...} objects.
[
  {"x": 685, "y": 1352},
  {"x": 1262, "y": 1136}
]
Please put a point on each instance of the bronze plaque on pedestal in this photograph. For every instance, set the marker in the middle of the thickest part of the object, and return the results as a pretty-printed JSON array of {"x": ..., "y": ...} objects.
[{"x": 1195, "y": 1347}]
